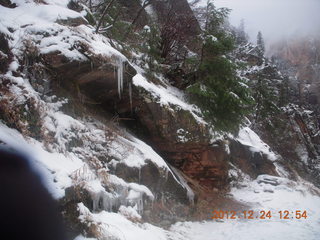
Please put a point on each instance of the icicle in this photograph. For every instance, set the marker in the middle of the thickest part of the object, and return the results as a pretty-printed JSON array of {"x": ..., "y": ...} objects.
[
  {"x": 166, "y": 174},
  {"x": 106, "y": 202},
  {"x": 95, "y": 201},
  {"x": 130, "y": 96},
  {"x": 140, "y": 204},
  {"x": 139, "y": 175},
  {"x": 120, "y": 76}
]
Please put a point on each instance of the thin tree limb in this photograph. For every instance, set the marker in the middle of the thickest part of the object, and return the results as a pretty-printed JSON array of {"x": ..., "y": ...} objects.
[
  {"x": 144, "y": 5},
  {"x": 103, "y": 15}
]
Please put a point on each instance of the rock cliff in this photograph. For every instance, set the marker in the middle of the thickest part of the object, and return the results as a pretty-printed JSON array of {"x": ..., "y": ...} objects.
[{"x": 118, "y": 144}]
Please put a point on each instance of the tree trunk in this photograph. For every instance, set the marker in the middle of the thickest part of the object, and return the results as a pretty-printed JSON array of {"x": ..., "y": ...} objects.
[
  {"x": 144, "y": 5},
  {"x": 104, "y": 14}
]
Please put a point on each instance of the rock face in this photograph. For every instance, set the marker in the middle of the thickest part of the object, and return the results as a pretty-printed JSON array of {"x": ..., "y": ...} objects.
[
  {"x": 182, "y": 10},
  {"x": 172, "y": 201},
  {"x": 208, "y": 166},
  {"x": 175, "y": 134},
  {"x": 184, "y": 143},
  {"x": 299, "y": 146},
  {"x": 299, "y": 58},
  {"x": 251, "y": 163},
  {"x": 290, "y": 130},
  {"x": 95, "y": 81},
  {"x": 179, "y": 30},
  {"x": 132, "y": 8}
]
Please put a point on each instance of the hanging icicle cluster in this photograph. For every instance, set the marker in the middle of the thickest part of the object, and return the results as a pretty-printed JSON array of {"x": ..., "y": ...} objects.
[
  {"x": 130, "y": 96},
  {"x": 120, "y": 76},
  {"x": 120, "y": 72}
]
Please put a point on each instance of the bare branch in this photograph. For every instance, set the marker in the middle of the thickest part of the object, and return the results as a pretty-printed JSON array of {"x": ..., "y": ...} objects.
[
  {"x": 103, "y": 14},
  {"x": 144, "y": 5}
]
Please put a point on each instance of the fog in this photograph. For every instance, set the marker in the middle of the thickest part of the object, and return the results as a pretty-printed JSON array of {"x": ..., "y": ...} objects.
[{"x": 276, "y": 19}]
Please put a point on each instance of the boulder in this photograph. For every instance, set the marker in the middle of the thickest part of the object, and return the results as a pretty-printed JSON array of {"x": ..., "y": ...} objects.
[
  {"x": 251, "y": 163},
  {"x": 184, "y": 143},
  {"x": 7, "y": 3}
]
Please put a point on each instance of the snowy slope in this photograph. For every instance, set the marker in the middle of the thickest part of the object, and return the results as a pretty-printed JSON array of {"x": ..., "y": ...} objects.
[{"x": 260, "y": 194}]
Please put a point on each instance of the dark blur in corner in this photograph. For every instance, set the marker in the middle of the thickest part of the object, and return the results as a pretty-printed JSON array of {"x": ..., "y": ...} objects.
[{"x": 27, "y": 210}]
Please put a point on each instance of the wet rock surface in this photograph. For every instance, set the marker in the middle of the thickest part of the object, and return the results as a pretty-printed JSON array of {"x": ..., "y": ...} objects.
[{"x": 250, "y": 162}]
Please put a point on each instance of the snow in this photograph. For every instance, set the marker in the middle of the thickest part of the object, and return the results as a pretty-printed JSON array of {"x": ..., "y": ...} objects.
[
  {"x": 302, "y": 152},
  {"x": 135, "y": 153},
  {"x": 146, "y": 28},
  {"x": 287, "y": 195},
  {"x": 117, "y": 226},
  {"x": 36, "y": 14},
  {"x": 257, "y": 195},
  {"x": 182, "y": 135},
  {"x": 94, "y": 186},
  {"x": 249, "y": 138},
  {"x": 133, "y": 195},
  {"x": 63, "y": 163},
  {"x": 212, "y": 38},
  {"x": 190, "y": 193},
  {"x": 37, "y": 23},
  {"x": 55, "y": 168},
  {"x": 80, "y": 237},
  {"x": 61, "y": 171},
  {"x": 148, "y": 153},
  {"x": 129, "y": 212},
  {"x": 140, "y": 188},
  {"x": 244, "y": 230},
  {"x": 64, "y": 127},
  {"x": 168, "y": 96}
]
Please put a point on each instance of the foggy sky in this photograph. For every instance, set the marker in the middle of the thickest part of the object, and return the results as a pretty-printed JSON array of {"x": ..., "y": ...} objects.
[{"x": 274, "y": 18}]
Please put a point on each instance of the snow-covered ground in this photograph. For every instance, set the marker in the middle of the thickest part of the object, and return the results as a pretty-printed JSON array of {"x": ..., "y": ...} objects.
[
  {"x": 287, "y": 195},
  {"x": 262, "y": 195}
]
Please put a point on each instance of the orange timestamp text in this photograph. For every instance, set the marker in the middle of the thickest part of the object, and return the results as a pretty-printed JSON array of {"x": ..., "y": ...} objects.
[{"x": 256, "y": 214}]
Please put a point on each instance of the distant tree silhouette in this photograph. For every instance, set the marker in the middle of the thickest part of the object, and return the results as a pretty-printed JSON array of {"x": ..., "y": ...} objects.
[
  {"x": 241, "y": 35},
  {"x": 260, "y": 44}
]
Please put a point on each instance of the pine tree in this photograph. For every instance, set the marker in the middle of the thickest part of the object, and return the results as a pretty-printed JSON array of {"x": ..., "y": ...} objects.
[
  {"x": 260, "y": 44},
  {"x": 241, "y": 35},
  {"x": 222, "y": 95},
  {"x": 266, "y": 98}
]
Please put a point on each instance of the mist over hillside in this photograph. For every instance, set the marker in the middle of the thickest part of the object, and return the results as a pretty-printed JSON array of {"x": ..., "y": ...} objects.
[{"x": 276, "y": 19}]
